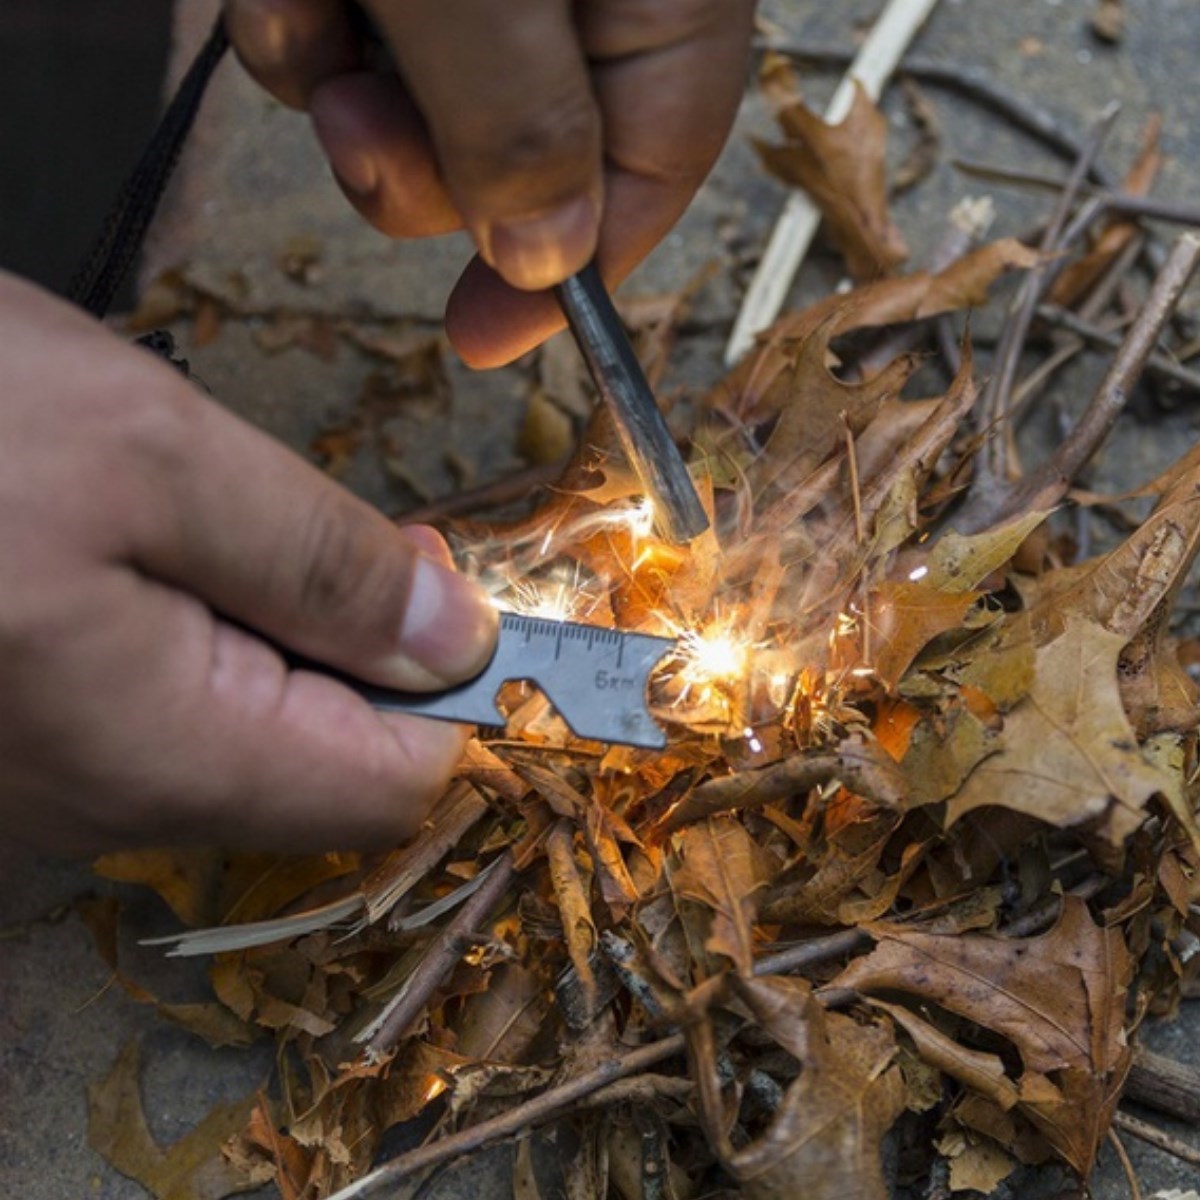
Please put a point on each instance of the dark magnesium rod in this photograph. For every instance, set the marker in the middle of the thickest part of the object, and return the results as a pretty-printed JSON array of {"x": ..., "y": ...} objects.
[{"x": 678, "y": 514}]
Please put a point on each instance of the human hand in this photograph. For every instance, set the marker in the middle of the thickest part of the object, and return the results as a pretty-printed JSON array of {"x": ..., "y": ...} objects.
[
  {"x": 133, "y": 511},
  {"x": 552, "y": 130}
]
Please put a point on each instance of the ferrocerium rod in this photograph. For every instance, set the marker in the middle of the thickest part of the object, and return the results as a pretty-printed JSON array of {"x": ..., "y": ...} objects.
[{"x": 618, "y": 376}]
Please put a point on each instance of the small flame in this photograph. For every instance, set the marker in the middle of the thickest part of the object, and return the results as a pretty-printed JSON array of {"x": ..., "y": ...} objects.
[{"x": 437, "y": 1085}]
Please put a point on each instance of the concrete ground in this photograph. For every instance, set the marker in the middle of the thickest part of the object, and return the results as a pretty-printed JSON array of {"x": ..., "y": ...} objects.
[{"x": 252, "y": 197}]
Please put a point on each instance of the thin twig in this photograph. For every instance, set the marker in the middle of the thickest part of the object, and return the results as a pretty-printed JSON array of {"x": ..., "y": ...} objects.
[
  {"x": 1049, "y": 483},
  {"x": 1067, "y": 346},
  {"x": 997, "y": 394},
  {"x": 812, "y": 953},
  {"x": 1045, "y": 914},
  {"x": 512, "y": 487},
  {"x": 537, "y": 1111},
  {"x": 1159, "y": 1138},
  {"x": 860, "y": 533},
  {"x": 440, "y": 959},
  {"x": 871, "y": 68},
  {"x": 1158, "y": 363},
  {"x": 1118, "y": 1146},
  {"x": 1126, "y": 204}
]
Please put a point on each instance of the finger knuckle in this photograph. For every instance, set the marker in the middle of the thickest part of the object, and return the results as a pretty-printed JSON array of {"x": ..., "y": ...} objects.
[
  {"x": 342, "y": 573},
  {"x": 142, "y": 413},
  {"x": 633, "y": 26},
  {"x": 554, "y": 148}
]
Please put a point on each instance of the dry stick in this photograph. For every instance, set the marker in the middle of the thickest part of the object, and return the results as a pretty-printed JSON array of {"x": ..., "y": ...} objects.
[
  {"x": 440, "y": 959},
  {"x": 537, "y": 1111},
  {"x": 1046, "y": 486},
  {"x": 1158, "y": 363},
  {"x": 812, "y": 953},
  {"x": 1043, "y": 915},
  {"x": 1127, "y": 204},
  {"x": 797, "y": 223},
  {"x": 488, "y": 495},
  {"x": 1166, "y": 1085},
  {"x": 587, "y": 1087},
  {"x": 1152, "y": 207},
  {"x": 998, "y": 392},
  {"x": 1154, "y": 1136}
]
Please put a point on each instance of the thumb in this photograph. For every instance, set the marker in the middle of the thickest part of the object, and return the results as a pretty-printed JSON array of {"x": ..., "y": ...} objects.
[{"x": 262, "y": 537}]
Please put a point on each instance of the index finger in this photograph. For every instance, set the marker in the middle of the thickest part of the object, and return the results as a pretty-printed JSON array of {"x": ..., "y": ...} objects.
[
  {"x": 668, "y": 76},
  {"x": 505, "y": 92}
]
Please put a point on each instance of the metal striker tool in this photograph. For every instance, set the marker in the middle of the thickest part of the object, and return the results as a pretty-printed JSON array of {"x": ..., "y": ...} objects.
[
  {"x": 595, "y": 677},
  {"x": 622, "y": 384}
]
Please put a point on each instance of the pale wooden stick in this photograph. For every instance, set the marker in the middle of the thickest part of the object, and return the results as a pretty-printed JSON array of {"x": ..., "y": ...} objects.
[{"x": 872, "y": 67}]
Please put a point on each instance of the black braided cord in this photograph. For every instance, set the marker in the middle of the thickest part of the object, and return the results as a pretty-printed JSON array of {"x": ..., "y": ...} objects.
[{"x": 116, "y": 249}]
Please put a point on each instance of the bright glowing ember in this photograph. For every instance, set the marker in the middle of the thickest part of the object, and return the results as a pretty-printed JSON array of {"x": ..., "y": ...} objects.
[{"x": 712, "y": 656}]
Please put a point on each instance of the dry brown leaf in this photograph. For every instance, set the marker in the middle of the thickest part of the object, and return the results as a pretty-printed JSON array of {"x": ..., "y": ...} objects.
[
  {"x": 842, "y": 167},
  {"x": 617, "y": 887},
  {"x": 193, "y": 1168},
  {"x": 958, "y": 563},
  {"x": 975, "y": 1069},
  {"x": 291, "y": 1164},
  {"x": 186, "y": 879},
  {"x": 905, "y": 616},
  {"x": 215, "y": 1023},
  {"x": 816, "y": 408},
  {"x": 1058, "y": 998},
  {"x": 863, "y": 767},
  {"x": 824, "y": 1141},
  {"x": 1122, "y": 590},
  {"x": 723, "y": 869},
  {"x": 977, "y": 1164},
  {"x": 944, "y": 750},
  {"x": 1000, "y": 661},
  {"x": 1069, "y": 755},
  {"x": 843, "y": 884},
  {"x": 579, "y": 930},
  {"x": 498, "y": 1025}
]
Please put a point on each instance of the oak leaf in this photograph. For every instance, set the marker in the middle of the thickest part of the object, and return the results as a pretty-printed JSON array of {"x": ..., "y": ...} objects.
[
  {"x": 187, "y": 879},
  {"x": 905, "y": 616},
  {"x": 1058, "y": 998},
  {"x": 842, "y": 167},
  {"x": 193, "y": 1168},
  {"x": 723, "y": 869},
  {"x": 959, "y": 563},
  {"x": 823, "y": 1143},
  {"x": 1069, "y": 754}
]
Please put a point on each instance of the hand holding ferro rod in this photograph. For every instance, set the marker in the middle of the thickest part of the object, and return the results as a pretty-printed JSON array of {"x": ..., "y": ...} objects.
[{"x": 678, "y": 514}]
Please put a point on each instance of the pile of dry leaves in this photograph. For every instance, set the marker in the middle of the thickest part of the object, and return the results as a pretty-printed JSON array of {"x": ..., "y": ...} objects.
[{"x": 920, "y": 856}]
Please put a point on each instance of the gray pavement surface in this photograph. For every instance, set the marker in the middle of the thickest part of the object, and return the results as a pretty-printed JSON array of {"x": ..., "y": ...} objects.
[{"x": 252, "y": 189}]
